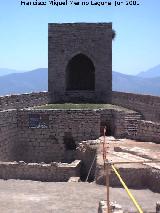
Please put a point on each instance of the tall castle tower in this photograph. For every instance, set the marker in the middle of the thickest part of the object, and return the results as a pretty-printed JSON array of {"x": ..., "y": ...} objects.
[{"x": 80, "y": 62}]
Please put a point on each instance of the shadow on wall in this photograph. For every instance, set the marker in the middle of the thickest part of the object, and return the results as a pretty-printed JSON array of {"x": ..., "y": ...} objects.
[
  {"x": 109, "y": 130},
  {"x": 87, "y": 154}
]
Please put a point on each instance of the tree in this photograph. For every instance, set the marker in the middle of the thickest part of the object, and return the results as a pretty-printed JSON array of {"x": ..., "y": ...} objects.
[{"x": 113, "y": 34}]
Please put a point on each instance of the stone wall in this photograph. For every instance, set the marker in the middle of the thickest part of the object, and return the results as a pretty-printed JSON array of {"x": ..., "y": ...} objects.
[
  {"x": 107, "y": 117},
  {"x": 47, "y": 143},
  {"x": 59, "y": 172},
  {"x": 138, "y": 176},
  {"x": 135, "y": 177},
  {"x": 87, "y": 153},
  {"x": 23, "y": 100},
  {"x": 147, "y": 105},
  {"x": 119, "y": 122},
  {"x": 84, "y": 39},
  {"x": 148, "y": 131},
  {"x": 8, "y": 134},
  {"x": 153, "y": 180}
]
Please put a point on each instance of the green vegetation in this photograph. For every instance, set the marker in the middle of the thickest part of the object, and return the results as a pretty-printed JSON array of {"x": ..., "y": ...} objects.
[{"x": 81, "y": 106}]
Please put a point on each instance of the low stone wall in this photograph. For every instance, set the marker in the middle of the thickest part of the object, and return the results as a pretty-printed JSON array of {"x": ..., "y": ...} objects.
[
  {"x": 58, "y": 172},
  {"x": 147, "y": 105},
  {"x": 46, "y": 142},
  {"x": 133, "y": 177},
  {"x": 139, "y": 176},
  {"x": 8, "y": 135},
  {"x": 148, "y": 131},
  {"x": 153, "y": 180},
  {"x": 23, "y": 100}
]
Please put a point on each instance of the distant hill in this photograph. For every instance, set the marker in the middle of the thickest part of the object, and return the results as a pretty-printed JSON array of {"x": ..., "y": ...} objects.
[
  {"x": 17, "y": 83},
  {"x": 135, "y": 84},
  {"x": 4, "y": 71},
  {"x": 37, "y": 80},
  {"x": 151, "y": 73}
]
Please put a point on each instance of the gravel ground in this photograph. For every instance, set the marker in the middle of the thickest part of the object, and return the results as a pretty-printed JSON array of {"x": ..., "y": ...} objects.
[{"x": 17, "y": 196}]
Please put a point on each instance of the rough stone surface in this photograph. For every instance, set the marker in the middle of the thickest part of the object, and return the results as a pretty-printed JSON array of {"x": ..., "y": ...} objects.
[
  {"x": 147, "y": 105},
  {"x": 57, "y": 172},
  {"x": 23, "y": 100},
  {"x": 19, "y": 141},
  {"x": 8, "y": 135},
  {"x": 47, "y": 144},
  {"x": 158, "y": 207},
  {"x": 148, "y": 131},
  {"x": 139, "y": 175},
  {"x": 114, "y": 207},
  {"x": 87, "y": 153},
  {"x": 119, "y": 123},
  {"x": 70, "y": 39}
]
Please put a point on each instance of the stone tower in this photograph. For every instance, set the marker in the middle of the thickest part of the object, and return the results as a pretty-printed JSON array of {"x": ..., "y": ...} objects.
[{"x": 80, "y": 62}]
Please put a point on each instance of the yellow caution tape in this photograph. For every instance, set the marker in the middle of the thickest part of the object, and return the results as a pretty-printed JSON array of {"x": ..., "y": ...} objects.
[{"x": 127, "y": 190}]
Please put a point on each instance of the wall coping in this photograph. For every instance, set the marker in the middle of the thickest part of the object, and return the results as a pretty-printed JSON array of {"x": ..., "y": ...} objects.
[{"x": 73, "y": 164}]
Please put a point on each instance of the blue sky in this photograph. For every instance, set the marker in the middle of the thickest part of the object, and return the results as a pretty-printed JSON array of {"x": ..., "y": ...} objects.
[{"x": 24, "y": 33}]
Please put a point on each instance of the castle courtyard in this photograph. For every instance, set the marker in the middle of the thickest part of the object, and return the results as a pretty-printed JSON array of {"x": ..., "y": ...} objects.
[
  {"x": 18, "y": 196},
  {"x": 61, "y": 149}
]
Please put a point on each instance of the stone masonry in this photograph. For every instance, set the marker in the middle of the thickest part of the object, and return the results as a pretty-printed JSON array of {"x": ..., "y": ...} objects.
[
  {"x": 80, "y": 62},
  {"x": 23, "y": 100},
  {"x": 58, "y": 172},
  {"x": 147, "y": 105},
  {"x": 47, "y": 144},
  {"x": 8, "y": 134}
]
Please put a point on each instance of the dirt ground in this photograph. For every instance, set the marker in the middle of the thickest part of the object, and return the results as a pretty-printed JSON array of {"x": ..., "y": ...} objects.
[
  {"x": 17, "y": 196},
  {"x": 132, "y": 143},
  {"x": 146, "y": 150}
]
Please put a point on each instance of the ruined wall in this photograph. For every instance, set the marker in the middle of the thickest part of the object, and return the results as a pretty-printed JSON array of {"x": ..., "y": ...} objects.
[
  {"x": 8, "y": 134},
  {"x": 46, "y": 143},
  {"x": 147, "y": 105},
  {"x": 87, "y": 153},
  {"x": 148, "y": 131},
  {"x": 21, "y": 140},
  {"x": 136, "y": 177},
  {"x": 23, "y": 100},
  {"x": 153, "y": 180},
  {"x": 119, "y": 122},
  {"x": 40, "y": 172}
]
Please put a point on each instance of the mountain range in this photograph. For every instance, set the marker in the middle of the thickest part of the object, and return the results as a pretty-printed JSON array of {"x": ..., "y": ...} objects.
[
  {"x": 151, "y": 73},
  {"x": 5, "y": 71},
  {"x": 24, "y": 82},
  {"x": 146, "y": 82}
]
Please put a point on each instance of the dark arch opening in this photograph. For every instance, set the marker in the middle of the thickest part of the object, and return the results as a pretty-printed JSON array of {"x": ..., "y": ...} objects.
[
  {"x": 80, "y": 73},
  {"x": 69, "y": 141}
]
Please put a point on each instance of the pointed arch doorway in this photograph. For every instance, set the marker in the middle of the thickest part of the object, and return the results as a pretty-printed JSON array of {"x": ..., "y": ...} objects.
[{"x": 80, "y": 73}]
